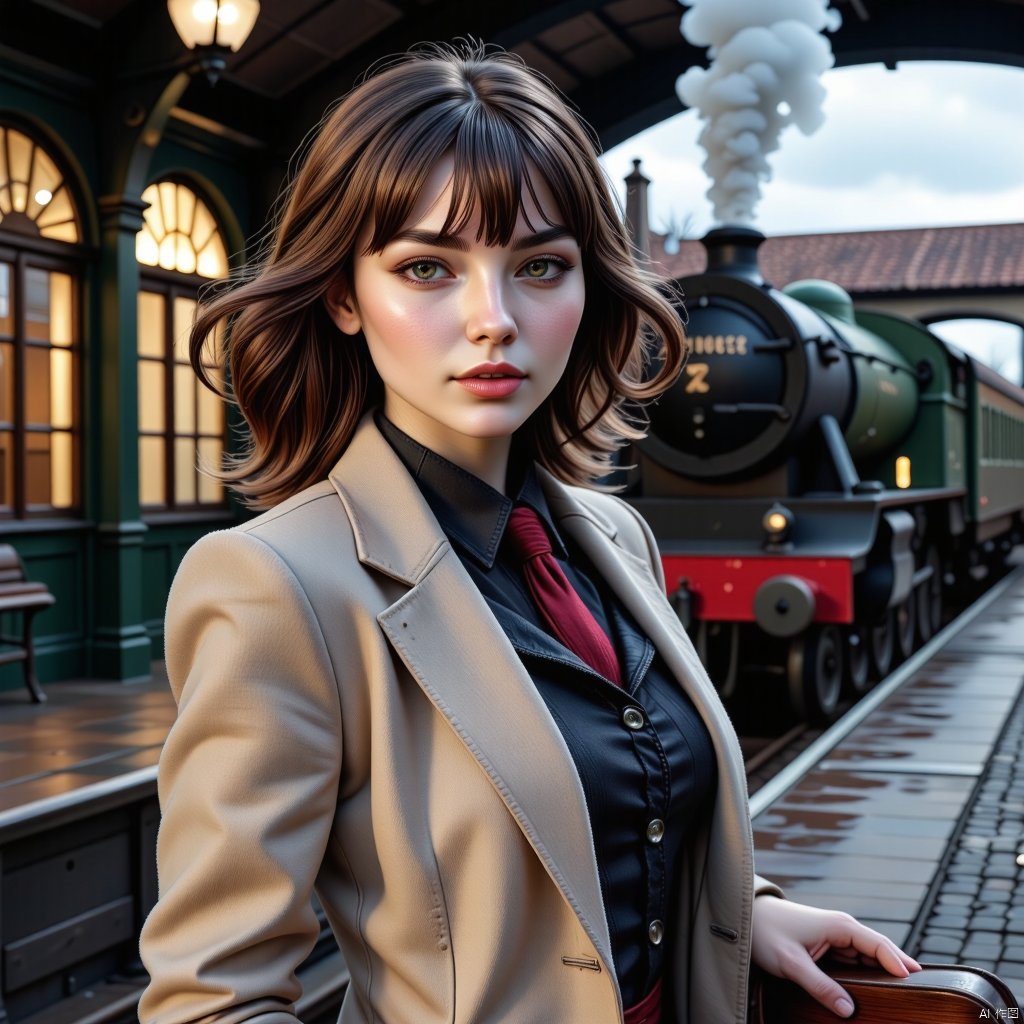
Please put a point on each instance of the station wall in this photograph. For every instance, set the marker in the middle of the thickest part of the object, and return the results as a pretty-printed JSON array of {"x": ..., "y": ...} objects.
[{"x": 75, "y": 511}]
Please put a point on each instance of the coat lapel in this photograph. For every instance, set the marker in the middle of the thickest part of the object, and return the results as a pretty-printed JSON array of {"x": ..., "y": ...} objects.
[
  {"x": 632, "y": 582},
  {"x": 456, "y": 651},
  {"x": 725, "y": 865}
]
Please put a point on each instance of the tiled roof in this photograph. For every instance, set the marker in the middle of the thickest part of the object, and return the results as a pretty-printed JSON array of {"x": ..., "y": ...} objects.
[{"x": 918, "y": 259}]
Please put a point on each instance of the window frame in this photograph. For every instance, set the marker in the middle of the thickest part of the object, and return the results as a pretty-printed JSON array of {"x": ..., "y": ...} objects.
[
  {"x": 12, "y": 121},
  {"x": 24, "y": 253},
  {"x": 172, "y": 284}
]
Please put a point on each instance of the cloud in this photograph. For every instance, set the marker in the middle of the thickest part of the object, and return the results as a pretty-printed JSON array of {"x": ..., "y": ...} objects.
[
  {"x": 927, "y": 144},
  {"x": 996, "y": 344},
  {"x": 917, "y": 122},
  {"x": 891, "y": 201}
]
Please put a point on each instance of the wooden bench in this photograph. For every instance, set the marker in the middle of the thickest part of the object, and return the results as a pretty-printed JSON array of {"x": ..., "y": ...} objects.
[{"x": 17, "y": 594}]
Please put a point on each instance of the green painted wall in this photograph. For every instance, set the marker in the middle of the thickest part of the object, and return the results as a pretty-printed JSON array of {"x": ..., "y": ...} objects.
[{"x": 110, "y": 570}]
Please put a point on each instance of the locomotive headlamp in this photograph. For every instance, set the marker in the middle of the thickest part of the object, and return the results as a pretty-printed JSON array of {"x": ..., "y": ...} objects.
[{"x": 777, "y": 523}]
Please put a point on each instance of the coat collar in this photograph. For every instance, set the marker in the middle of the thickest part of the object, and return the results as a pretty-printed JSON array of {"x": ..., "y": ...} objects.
[
  {"x": 395, "y": 531},
  {"x": 472, "y": 513}
]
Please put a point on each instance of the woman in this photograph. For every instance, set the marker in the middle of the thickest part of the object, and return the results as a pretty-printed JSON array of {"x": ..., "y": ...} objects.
[{"x": 502, "y": 769}]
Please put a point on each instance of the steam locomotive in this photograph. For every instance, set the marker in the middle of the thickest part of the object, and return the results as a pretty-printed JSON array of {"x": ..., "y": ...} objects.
[{"x": 818, "y": 475}]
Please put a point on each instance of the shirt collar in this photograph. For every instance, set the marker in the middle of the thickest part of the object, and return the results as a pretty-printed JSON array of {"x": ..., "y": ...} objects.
[{"x": 471, "y": 513}]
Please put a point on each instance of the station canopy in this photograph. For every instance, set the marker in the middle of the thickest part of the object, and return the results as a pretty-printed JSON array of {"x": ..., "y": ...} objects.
[{"x": 618, "y": 60}]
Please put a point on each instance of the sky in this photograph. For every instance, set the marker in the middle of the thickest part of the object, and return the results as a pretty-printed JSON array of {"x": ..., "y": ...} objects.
[{"x": 928, "y": 144}]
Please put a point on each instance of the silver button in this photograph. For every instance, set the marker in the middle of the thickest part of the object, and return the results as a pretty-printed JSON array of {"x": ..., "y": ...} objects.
[
  {"x": 633, "y": 718},
  {"x": 655, "y": 830},
  {"x": 655, "y": 932}
]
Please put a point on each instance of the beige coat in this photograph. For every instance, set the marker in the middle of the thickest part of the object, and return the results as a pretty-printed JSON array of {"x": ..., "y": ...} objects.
[{"x": 352, "y": 719}]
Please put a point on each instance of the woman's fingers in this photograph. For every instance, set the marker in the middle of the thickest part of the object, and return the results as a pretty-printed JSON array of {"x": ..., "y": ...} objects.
[
  {"x": 827, "y": 991},
  {"x": 849, "y": 937},
  {"x": 851, "y": 941},
  {"x": 789, "y": 938}
]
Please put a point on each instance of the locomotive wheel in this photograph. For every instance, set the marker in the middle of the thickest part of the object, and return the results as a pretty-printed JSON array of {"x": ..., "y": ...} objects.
[
  {"x": 718, "y": 647},
  {"x": 906, "y": 627},
  {"x": 856, "y": 660},
  {"x": 881, "y": 645},
  {"x": 814, "y": 670},
  {"x": 929, "y": 598}
]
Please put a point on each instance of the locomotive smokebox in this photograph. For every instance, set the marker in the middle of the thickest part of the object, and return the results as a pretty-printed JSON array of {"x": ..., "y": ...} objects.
[{"x": 763, "y": 369}]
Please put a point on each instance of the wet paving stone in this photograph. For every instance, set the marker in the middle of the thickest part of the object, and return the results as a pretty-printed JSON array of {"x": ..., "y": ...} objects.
[
  {"x": 926, "y": 793},
  {"x": 991, "y": 839},
  {"x": 988, "y": 923},
  {"x": 940, "y": 944},
  {"x": 956, "y": 886},
  {"x": 1001, "y": 888},
  {"x": 957, "y": 921}
]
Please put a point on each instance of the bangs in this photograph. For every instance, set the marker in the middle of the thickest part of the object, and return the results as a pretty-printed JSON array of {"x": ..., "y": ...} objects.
[{"x": 496, "y": 164}]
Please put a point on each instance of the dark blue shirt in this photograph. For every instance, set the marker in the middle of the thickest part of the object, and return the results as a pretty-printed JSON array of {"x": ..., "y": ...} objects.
[{"x": 644, "y": 755}]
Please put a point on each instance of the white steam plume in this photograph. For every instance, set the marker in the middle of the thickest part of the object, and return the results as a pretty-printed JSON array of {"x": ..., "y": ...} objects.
[{"x": 766, "y": 60}]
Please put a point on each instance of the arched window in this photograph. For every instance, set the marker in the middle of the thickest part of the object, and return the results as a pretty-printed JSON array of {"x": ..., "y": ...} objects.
[
  {"x": 181, "y": 423},
  {"x": 180, "y": 233},
  {"x": 40, "y": 331},
  {"x": 34, "y": 197},
  {"x": 996, "y": 341}
]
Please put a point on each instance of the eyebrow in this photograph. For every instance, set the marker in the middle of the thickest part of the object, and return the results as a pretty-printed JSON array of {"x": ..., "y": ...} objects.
[{"x": 437, "y": 240}]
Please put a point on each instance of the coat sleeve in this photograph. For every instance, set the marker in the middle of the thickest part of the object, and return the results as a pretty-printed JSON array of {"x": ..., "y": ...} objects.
[{"x": 248, "y": 785}]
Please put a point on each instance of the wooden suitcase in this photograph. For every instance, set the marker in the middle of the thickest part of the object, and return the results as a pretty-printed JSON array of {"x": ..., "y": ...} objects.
[{"x": 937, "y": 994}]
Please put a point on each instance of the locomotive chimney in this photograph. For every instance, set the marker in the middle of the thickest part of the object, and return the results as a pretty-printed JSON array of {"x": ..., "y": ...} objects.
[
  {"x": 636, "y": 210},
  {"x": 732, "y": 249}
]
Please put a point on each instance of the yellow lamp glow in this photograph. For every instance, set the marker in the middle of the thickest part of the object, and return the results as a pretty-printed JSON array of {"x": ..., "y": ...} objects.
[
  {"x": 225, "y": 23},
  {"x": 903, "y": 472},
  {"x": 777, "y": 524}
]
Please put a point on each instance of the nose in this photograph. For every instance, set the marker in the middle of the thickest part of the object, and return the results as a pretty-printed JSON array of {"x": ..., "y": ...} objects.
[{"x": 489, "y": 320}]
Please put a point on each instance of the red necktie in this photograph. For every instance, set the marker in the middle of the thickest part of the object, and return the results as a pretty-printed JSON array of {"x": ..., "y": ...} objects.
[{"x": 561, "y": 607}]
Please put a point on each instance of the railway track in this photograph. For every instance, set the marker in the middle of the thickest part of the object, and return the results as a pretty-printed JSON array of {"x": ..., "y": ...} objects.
[
  {"x": 769, "y": 756},
  {"x": 769, "y": 751}
]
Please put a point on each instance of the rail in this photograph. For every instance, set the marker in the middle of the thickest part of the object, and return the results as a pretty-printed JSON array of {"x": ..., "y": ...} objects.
[{"x": 786, "y": 779}]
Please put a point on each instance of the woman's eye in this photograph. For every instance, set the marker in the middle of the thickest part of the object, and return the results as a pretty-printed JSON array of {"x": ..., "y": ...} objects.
[
  {"x": 424, "y": 270},
  {"x": 545, "y": 269}
]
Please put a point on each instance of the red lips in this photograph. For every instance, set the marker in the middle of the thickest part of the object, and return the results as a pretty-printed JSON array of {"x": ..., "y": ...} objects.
[{"x": 492, "y": 370}]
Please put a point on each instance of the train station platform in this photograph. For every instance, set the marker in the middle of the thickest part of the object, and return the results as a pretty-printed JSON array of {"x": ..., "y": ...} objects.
[
  {"x": 909, "y": 812},
  {"x": 87, "y": 737}
]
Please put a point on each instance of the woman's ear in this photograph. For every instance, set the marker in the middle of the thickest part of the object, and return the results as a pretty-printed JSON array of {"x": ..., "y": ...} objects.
[{"x": 342, "y": 308}]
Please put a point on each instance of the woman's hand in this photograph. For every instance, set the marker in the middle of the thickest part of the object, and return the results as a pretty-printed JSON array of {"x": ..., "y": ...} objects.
[{"x": 789, "y": 937}]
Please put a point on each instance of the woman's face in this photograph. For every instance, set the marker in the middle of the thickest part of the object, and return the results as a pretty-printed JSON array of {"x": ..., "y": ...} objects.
[{"x": 469, "y": 339}]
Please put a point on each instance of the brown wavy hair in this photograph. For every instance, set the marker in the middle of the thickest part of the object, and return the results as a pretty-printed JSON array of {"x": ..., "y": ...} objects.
[{"x": 302, "y": 385}]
